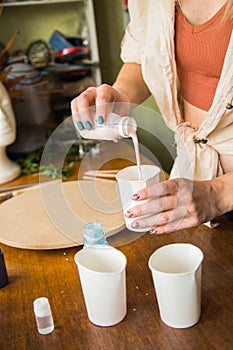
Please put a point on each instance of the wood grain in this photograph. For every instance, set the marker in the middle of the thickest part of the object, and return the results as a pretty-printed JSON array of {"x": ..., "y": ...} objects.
[{"x": 54, "y": 274}]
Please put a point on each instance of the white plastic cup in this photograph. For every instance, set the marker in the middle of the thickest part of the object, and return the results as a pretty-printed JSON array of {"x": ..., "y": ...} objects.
[
  {"x": 102, "y": 276},
  {"x": 176, "y": 272},
  {"x": 129, "y": 183}
]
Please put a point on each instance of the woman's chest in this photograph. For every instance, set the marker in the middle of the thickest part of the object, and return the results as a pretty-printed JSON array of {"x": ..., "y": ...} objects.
[{"x": 198, "y": 12}]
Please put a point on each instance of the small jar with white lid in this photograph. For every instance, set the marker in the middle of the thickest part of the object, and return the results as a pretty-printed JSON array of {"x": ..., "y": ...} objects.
[
  {"x": 115, "y": 127},
  {"x": 43, "y": 315}
]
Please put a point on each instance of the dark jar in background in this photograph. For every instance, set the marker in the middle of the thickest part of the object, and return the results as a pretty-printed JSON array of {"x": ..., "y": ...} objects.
[{"x": 3, "y": 271}]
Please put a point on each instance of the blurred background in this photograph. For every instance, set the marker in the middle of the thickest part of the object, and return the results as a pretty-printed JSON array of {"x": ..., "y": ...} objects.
[{"x": 53, "y": 50}]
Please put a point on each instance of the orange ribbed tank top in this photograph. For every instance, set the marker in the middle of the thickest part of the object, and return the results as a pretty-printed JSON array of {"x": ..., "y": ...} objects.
[{"x": 200, "y": 53}]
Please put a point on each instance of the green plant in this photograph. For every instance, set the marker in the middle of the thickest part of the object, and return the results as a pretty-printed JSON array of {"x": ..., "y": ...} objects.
[{"x": 31, "y": 163}]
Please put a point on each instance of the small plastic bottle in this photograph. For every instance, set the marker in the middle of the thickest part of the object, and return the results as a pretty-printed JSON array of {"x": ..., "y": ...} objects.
[
  {"x": 115, "y": 127},
  {"x": 94, "y": 234},
  {"x": 3, "y": 271},
  {"x": 43, "y": 315}
]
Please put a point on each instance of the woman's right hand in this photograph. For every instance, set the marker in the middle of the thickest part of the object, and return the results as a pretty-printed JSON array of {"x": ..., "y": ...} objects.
[{"x": 104, "y": 98}]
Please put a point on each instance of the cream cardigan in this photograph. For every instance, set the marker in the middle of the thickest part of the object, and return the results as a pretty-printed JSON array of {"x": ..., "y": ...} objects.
[{"x": 149, "y": 41}]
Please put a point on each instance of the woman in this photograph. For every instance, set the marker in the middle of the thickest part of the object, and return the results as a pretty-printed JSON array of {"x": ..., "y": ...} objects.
[{"x": 182, "y": 54}]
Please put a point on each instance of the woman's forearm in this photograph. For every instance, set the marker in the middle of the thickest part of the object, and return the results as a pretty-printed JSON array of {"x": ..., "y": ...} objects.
[{"x": 130, "y": 82}]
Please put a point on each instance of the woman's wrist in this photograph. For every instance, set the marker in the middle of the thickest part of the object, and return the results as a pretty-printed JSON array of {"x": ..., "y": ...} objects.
[
  {"x": 123, "y": 96},
  {"x": 222, "y": 188}
]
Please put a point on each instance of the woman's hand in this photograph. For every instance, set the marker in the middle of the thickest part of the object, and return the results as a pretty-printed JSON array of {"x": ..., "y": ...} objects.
[
  {"x": 175, "y": 204},
  {"x": 104, "y": 98},
  {"x": 129, "y": 89}
]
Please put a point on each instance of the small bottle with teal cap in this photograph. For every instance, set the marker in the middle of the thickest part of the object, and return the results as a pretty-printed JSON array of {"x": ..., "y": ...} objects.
[{"x": 94, "y": 234}]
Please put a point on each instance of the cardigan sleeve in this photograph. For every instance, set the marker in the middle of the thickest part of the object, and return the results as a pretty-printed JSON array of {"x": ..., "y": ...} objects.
[
  {"x": 131, "y": 45},
  {"x": 130, "y": 51}
]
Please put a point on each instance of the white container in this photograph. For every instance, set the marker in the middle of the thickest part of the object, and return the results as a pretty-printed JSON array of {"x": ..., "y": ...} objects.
[
  {"x": 176, "y": 272},
  {"x": 43, "y": 315},
  {"x": 102, "y": 275},
  {"x": 129, "y": 183},
  {"x": 115, "y": 127}
]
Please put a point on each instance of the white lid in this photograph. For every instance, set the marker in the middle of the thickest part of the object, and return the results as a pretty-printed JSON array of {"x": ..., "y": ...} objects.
[
  {"x": 41, "y": 306},
  {"x": 126, "y": 125}
]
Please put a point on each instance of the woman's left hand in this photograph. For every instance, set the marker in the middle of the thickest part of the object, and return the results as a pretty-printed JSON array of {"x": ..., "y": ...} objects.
[{"x": 175, "y": 204}]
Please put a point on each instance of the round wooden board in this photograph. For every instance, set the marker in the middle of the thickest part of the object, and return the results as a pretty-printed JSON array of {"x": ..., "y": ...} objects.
[{"x": 53, "y": 216}]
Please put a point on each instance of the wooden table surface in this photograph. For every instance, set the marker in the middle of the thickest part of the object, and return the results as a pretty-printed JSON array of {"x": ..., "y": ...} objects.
[{"x": 53, "y": 273}]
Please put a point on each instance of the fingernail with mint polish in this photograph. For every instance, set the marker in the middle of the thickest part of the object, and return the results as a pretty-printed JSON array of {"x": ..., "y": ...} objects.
[
  {"x": 128, "y": 214},
  {"x": 135, "y": 224},
  {"x": 100, "y": 119},
  {"x": 153, "y": 231},
  {"x": 88, "y": 125},
  {"x": 80, "y": 125},
  {"x": 135, "y": 197}
]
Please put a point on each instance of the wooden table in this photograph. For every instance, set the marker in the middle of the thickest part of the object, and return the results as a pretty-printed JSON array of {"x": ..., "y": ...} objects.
[{"x": 53, "y": 273}]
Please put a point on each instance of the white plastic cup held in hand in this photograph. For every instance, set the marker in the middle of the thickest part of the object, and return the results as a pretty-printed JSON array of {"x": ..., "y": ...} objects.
[
  {"x": 176, "y": 272},
  {"x": 129, "y": 183},
  {"x": 102, "y": 276}
]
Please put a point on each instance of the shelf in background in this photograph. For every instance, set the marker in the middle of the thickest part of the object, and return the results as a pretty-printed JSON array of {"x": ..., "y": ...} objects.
[
  {"x": 37, "y": 2},
  {"x": 70, "y": 67}
]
